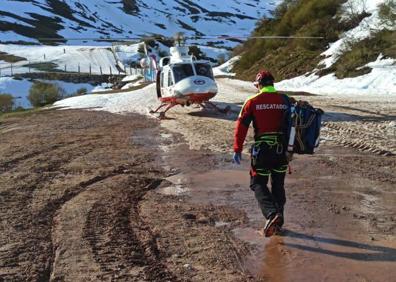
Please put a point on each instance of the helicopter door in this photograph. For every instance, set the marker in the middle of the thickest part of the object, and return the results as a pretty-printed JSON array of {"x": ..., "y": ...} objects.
[
  {"x": 167, "y": 83},
  {"x": 158, "y": 83}
]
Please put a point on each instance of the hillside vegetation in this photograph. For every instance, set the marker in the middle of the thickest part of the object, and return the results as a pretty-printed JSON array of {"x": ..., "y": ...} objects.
[
  {"x": 357, "y": 54},
  {"x": 293, "y": 57}
]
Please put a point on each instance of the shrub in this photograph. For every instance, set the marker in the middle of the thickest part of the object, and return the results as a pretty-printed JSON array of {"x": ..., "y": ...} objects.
[
  {"x": 197, "y": 52},
  {"x": 221, "y": 59},
  {"x": 80, "y": 91},
  {"x": 353, "y": 12},
  {"x": 387, "y": 13},
  {"x": 42, "y": 93},
  {"x": 6, "y": 103}
]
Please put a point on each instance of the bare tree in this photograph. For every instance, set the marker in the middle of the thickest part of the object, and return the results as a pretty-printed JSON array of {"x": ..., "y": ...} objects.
[{"x": 355, "y": 10}]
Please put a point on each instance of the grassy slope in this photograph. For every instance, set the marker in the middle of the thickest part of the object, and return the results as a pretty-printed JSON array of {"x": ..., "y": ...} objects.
[{"x": 293, "y": 57}]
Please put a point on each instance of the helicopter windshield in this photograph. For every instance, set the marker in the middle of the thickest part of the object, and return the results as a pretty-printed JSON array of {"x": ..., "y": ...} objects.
[
  {"x": 181, "y": 71},
  {"x": 204, "y": 70}
]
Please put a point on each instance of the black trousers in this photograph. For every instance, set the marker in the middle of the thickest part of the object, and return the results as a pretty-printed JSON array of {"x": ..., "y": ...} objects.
[{"x": 270, "y": 201}]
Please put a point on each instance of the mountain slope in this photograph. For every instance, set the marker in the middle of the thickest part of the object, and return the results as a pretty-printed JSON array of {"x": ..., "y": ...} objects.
[
  {"x": 356, "y": 55},
  {"x": 24, "y": 20},
  {"x": 361, "y": 61}
]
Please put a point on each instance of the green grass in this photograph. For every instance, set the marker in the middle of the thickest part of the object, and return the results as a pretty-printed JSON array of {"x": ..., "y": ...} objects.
[
  {"x": 23, "y": 113},
  {"x": 9, "y": 58},
  {"x": 46, "y": 67}
]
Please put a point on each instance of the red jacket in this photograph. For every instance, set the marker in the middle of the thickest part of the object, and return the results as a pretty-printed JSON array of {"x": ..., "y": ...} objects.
[{"x": 266, "y": 110}]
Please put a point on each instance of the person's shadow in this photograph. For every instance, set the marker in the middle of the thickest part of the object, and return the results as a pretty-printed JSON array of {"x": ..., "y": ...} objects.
[{"x": 371, "y": 253}]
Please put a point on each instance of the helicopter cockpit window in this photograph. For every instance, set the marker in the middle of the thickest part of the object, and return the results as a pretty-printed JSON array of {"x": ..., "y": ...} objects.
[
  {"x": 170, "y": 82},
  {"x": 181, "y": 71},
  {"x": 203, "y": 69}
]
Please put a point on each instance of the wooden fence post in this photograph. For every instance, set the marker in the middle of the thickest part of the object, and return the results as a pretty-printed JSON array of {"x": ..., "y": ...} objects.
[
  {"x": 110, "y": 71},
  {"x": 12, "y": 72},
  {"x": 100, "y": 68},
  {"x": 78, "y": 68},
  {"x": 65, "y": 68},
  {"x": 90, "y": 70}
]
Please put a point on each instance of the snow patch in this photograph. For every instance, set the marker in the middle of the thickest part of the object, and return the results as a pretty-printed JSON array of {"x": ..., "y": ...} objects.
[
  {"x": 366, "y": 27},
  {"x": 380, "y": 81},
  {"x": 225, "y": 69}
]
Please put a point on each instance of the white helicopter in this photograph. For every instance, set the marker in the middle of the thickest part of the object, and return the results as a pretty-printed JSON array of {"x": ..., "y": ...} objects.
[{"x": 183, "y": 80}]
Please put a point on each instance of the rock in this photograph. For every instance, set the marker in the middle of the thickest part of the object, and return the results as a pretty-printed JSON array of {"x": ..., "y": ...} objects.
[
  {"x": 189, "y": 216},
  {"x": 203, "y": 220},
  {"x": 187, "y": 266}
]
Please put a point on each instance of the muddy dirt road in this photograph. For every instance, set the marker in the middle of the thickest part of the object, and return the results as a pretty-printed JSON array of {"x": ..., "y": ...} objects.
[{"x": 94, "y": 196}]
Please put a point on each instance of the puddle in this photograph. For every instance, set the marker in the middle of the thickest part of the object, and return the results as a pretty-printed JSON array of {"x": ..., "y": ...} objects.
[
  {"x": 222, "y": 224},
  {"x": 176, "y": 190},
  {"x": 168, "y": 136},
  {"x": 368, "y": 203},
  {"x": 305, "y": 252},
  {"x": 250, "y": 235}
]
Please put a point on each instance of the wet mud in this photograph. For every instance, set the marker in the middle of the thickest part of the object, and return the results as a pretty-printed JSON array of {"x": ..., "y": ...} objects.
[
  {"x": 93, "y": 196},
  {"x": 340, "y": 214}
]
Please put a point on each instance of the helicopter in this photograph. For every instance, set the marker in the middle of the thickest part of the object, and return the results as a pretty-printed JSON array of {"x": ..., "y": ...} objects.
[{"x": 183, "y": 80}]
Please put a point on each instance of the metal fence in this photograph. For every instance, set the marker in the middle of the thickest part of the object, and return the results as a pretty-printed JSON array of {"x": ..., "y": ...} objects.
[{"x": 11, "y": 69}]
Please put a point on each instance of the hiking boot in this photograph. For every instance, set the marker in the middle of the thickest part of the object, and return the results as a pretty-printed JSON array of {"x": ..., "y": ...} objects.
[
  {"x": 273, "y": 225},
  {"x": 282, "y": 221}
]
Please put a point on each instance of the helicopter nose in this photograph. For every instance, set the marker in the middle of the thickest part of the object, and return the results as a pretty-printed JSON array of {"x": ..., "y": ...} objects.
[{"x": 196, "y": 85}]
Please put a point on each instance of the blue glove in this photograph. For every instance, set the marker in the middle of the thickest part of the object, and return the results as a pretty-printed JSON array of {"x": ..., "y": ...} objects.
[{"x": 236, "y": 158}]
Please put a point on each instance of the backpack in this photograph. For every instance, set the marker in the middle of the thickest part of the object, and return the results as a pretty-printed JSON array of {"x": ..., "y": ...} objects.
[
  {"x": 302, "y": 127},
  {"x": 306, "y": 121}
]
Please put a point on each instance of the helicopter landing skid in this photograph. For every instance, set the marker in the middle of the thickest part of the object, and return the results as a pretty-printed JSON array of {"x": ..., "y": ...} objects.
[
  {"x": 161, "y": 115},
  {"x": 213, "y": 106}
]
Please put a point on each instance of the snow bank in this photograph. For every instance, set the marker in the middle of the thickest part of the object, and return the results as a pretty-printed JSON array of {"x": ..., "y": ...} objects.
[
  {"x": 380, "y": 81},
  {"x": 135, "y": 101},
  {"x": 225, "y": 69},
  {"x": 71, "y": 56},
  {"x": 132, "y": 77},
  {"x": 231, "y": 92}
]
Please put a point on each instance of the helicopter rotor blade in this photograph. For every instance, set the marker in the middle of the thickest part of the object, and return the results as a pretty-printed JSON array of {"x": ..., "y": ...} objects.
[
  {"x": 228, "y": 37},
  {"x": 159, "y": 37}
]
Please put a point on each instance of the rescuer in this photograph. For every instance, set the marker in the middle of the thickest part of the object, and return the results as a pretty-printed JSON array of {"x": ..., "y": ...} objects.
[{"x": 269, "y": 157}]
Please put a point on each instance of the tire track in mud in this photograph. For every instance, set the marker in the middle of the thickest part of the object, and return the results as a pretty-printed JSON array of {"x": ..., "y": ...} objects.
[
  {"x": 8, "y": 165},
  {"x": 47, "y": 214},
  {"x": 122, "y": 244},
  {"x": 351, "y": 138},
  {"x": 36, "y": 185}
]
